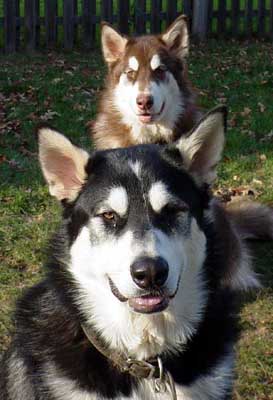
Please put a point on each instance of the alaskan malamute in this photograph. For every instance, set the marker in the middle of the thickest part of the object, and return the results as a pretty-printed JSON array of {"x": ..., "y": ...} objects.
[{"x": 137, "y": 302}]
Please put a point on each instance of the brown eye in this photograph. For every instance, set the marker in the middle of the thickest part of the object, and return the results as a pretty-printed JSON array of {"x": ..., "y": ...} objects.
[
  {"x": 131, "y": 74},
  {"x": 160, "y": 72},
  {"x": 109, "y": 216}
]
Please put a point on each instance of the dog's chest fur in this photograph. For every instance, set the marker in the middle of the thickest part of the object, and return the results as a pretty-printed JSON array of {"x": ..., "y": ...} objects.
[{"x": 207, "y": 387}]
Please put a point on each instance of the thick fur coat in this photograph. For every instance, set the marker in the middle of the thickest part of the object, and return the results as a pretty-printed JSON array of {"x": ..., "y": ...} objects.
[{"x": 142, "y": 259}]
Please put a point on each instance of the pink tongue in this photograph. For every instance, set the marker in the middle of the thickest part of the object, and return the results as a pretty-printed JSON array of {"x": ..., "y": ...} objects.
[{"x": 148, "y": 301}]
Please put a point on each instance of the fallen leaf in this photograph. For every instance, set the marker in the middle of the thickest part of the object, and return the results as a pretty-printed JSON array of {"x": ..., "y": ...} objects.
[
  {"x": 49, "y": 115},
  {"x": 246, "y": 112},
  {"x": 261, "y": 107}
]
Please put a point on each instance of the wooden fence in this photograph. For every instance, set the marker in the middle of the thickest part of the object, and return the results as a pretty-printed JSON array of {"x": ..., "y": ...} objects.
[{"x": 31, "y": 24}]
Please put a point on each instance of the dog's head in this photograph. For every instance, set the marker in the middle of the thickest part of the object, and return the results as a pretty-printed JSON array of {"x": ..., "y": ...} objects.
[
  {"x": 147, "y": 73},
  {"x": 134, "y": 219}
]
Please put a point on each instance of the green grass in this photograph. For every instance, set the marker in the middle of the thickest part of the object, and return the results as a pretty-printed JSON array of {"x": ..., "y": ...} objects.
[{"x": 63, "y": 89}]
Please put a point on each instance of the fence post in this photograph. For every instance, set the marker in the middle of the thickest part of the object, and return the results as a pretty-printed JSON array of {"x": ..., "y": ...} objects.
[
  {"x": 31, "y": 14},
  {"x": 89, "y": 24},
  {"x": 10, "y": 25},
  {"x": 140, "y": 16},
  {"x": 271, "y": 20},
  {"x": 155, "y": 16},
  {"x": 171, "y": 11},
  {"x": 123, "y": 16},
  {"x": 68, "y": 23},
  {"x": 200, "y": 18},
  {"x": 51, "y": 22},
  {"x": 107, "y": 11}
]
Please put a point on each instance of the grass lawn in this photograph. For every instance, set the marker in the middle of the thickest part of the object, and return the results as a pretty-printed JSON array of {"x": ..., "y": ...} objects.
[{"x": 62, "y": 89}]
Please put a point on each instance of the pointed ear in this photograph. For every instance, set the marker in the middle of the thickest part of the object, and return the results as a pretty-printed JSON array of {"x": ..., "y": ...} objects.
[
  {"x": 202, "y": 148},
  {"x": 113, "y": 44},
  {"x": 176, "y": 36},
  {"x": 62, "y": 163}
]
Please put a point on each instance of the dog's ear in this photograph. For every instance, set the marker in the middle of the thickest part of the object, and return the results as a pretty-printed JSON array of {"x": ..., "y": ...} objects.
[
  {"x": 176, "y": 36},
  {"x": 62, "y": 163},
  {"x": 202, "y": 148},
  {"x": 113, "y": 44}
]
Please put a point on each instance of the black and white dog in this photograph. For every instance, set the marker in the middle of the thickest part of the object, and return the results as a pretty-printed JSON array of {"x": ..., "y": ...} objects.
[{"x": 136, "y": 303}]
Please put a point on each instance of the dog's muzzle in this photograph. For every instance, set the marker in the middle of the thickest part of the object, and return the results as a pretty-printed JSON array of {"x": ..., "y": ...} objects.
[{"x": 150, "y": 276}]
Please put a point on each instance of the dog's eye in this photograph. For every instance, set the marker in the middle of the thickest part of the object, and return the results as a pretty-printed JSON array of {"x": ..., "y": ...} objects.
[
  {"x": 131, "y": 74},
  {"x": 160, "y": 72},
  {"x": 109, "y": 216}
]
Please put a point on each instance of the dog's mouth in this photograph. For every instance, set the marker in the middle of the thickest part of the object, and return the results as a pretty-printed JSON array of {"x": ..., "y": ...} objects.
[
  {"x": 147, "y": 117},
  {"x": 150, "y": 302}
]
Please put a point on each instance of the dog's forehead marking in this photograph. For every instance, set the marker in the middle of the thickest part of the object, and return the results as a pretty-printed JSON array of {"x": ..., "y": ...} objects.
[
  {"x": 155, "y": 62},
  {"x": 118, "y": 199},
  {"x": 136, "y": 168},
  {"x": 133, "y": 63},
  {"x": 159, "y": 196}
]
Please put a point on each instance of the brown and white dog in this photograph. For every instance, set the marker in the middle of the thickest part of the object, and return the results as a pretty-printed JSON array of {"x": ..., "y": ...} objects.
[{"x": 148, "y": 97}]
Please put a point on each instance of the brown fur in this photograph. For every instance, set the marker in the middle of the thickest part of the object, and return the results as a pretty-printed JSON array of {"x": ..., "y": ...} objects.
[{"x": 109, "y": 130}]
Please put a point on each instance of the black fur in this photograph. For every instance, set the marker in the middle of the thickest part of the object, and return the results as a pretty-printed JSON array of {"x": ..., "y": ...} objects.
[{"x": 48, "y": 318}]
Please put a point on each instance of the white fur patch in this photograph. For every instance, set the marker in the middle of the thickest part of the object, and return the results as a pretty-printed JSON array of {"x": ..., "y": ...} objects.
[
  {"x": 136, "y": 168},
  {"x": 155, "y": 62},
  {"x": 206, "y": 387},
  {"x": 159, "y": 196},
  {"x": 133, "y": 63},
  {"x": 62, "y": 387},
  {"x": 18, "y": 384},
  {"x": 168, "y": 106},
  {"x": 118, "y": 200},
  {"x": 141, "y": 335}
]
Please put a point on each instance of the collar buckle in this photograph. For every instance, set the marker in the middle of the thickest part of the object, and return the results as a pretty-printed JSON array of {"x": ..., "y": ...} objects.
[{"x": 141, "y": 368}]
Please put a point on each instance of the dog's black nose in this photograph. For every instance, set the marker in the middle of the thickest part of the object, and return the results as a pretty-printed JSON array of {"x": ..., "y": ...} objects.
[
  {"x": 150, "y": 272},
  {"x": 144, "y": 101}
]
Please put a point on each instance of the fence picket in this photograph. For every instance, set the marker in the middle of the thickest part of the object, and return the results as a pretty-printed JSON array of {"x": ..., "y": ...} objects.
[
  {"x": 271, "y": 20},
  {"x": 140, "y": 16},
  {"x": 76, "y": 24},
  {"x": 171, "y": 11},
  {"x": 261, "y": 17},
  {"x": 89, "y": 23},
  {"x": 155, "y": 16},
  {"x": 107, "y": 10},
  {"x": 235, "y": 17},
  {"x": 68, "y": 22},
  {"x": 10, "y": 25},
  {"x": 221, "y": 26},
  {"x": 18, "y": 23},
  {"x": 31, "y": 15},
  {"x": 187, "y": 8},
  {"x": 210, "y": 17},
  {"x": 51, "y": 22},
  {"x": 248, "y": 17},
  {"x": 200, "y": 18},
  {"x": 123, "y": 16}
]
